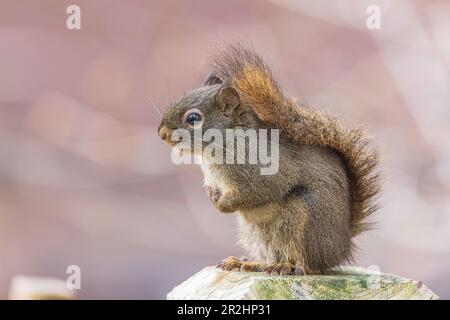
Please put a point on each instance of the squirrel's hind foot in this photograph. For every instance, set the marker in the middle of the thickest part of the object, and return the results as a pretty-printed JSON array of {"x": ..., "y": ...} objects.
[
  {"x": 243, "y": 265},
  {"x": 284, "y": 268},
  {"x": 230, "y": 263}
]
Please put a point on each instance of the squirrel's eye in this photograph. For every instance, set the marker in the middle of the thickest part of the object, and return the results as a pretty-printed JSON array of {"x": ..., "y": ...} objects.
[{"x": 194, "y": 118}]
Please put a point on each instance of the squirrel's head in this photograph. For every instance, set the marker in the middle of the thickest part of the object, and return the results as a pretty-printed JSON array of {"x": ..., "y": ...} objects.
[{"x": 215, "y": 105}]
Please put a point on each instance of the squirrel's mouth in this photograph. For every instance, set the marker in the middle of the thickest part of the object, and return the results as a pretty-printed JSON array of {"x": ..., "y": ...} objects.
[{"x": 182, "y": 145}]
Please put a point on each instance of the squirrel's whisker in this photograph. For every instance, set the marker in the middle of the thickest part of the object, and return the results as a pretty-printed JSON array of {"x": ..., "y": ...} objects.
[{"x": 155, "y": 107}]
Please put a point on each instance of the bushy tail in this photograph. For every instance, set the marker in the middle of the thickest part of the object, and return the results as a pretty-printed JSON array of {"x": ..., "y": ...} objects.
[{"x": 251, "y": 76}]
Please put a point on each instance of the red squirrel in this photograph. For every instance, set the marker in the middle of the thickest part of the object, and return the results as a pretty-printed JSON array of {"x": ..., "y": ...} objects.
[{"x": 303, "y": 218}]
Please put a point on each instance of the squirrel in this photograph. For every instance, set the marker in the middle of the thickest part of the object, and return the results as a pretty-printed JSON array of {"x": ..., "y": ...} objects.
[{"x": 302, "y": 219}]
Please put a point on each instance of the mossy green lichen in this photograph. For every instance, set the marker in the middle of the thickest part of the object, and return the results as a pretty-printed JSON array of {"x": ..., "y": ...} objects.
[{"x": 275, "y": 289}]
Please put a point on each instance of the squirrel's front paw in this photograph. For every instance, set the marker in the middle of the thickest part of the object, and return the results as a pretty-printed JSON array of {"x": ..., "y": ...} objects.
[
  {"x": 222, "y": 201},
  {"x": 225, "y": 204},
  {"x": 213, "y": 193}
]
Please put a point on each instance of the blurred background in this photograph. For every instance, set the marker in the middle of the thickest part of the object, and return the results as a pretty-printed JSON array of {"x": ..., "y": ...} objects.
[{"x": 85, "y": 179}]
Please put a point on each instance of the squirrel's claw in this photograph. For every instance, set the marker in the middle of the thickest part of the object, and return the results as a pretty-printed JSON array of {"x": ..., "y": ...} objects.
[
  {"x": 229, "y": 264},
  {"x": 232, "y": 263}
]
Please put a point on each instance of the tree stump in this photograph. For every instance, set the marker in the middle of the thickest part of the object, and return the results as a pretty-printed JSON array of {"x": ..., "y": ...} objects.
[{"x": 343, "y": 284}]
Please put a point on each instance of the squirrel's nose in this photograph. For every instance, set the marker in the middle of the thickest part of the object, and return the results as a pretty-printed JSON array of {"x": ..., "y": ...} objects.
[{"x": 163, "y": 132}]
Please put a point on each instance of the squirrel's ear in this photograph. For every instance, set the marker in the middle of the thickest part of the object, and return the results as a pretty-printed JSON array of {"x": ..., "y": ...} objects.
[
  {"x": 229, "y": 99},
  {"x": 212, "y": 79}
]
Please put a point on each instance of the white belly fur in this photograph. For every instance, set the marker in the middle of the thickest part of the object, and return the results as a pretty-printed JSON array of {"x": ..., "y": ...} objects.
[{"x": 213, "y": 178}]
